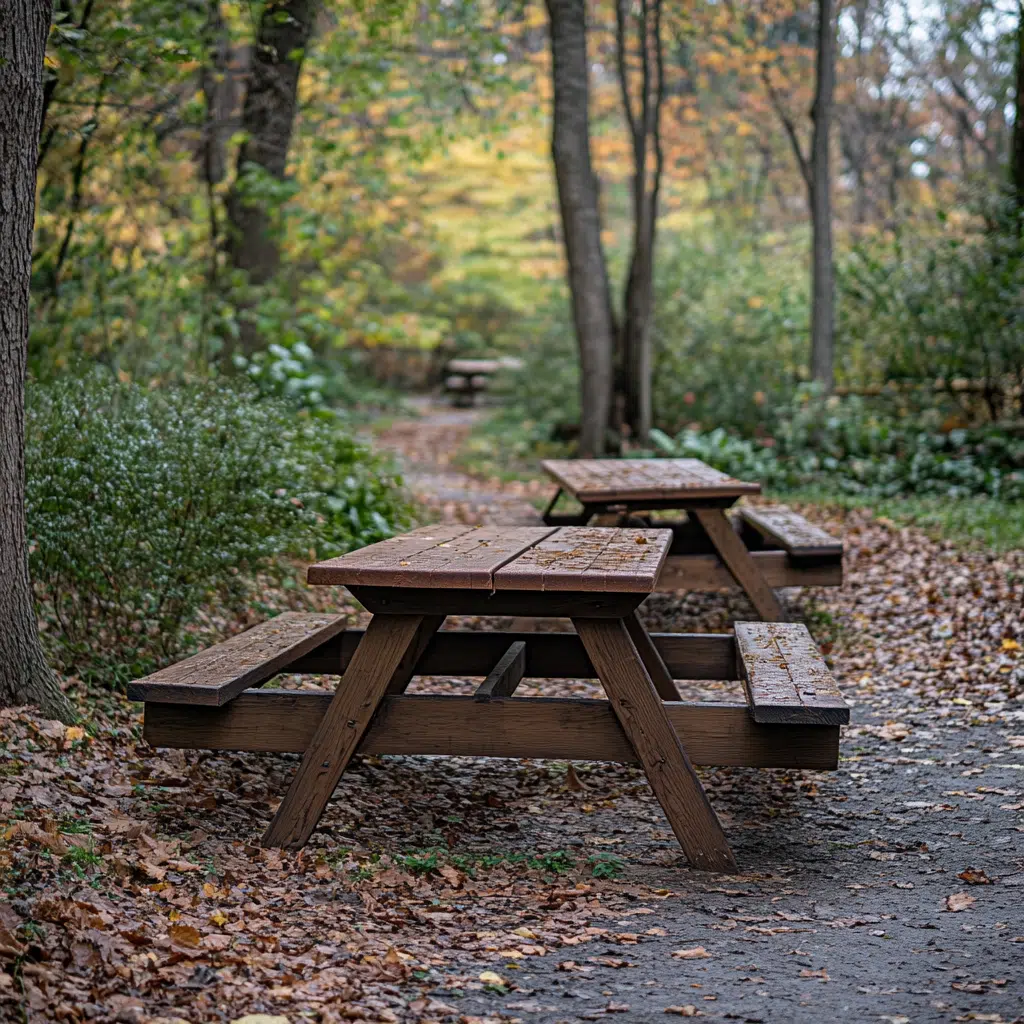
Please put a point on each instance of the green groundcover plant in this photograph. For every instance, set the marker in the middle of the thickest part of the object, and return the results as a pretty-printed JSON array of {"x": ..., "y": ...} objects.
[{"x": 146, "y": 506}]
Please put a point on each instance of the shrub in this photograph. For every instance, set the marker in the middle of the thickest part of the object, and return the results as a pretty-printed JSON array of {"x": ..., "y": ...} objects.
[{"x": 145, "y": 505}]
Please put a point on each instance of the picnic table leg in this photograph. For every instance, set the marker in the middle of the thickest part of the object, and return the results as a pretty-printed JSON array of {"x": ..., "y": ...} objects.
[
  {"x": 642, "y": 717},
  {"x": 651, "y": 657},
  {"x": 377, "y": 661},
  {"x": 734, "y": 553}
]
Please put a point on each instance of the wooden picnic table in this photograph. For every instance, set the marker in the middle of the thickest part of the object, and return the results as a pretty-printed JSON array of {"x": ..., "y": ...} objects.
[
  {"x": 773, "y": 546},
  {"x": 598, "y": 577}
]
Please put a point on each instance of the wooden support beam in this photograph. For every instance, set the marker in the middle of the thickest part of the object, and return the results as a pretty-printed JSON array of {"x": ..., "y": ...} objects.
[
  {"x": 656, "y": 742},
  {"x": 506, "y": 675},
  {"x": 284, "y": 721},
  {"x": 653, "y": 662},
  {"x": 548, "y": 655},
  {"x": 708, "y": 572}
]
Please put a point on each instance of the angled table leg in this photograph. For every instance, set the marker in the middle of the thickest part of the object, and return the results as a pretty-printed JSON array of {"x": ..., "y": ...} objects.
[
  {"x": 643, "y": 719},
  {"x": 734, "y": 554},
  {"x": 381, "y": 658},
  {"x": 651, "y": 657}
]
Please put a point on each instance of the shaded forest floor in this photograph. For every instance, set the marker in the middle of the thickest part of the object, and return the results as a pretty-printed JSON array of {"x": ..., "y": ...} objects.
[{"x": 486, "y": 890}]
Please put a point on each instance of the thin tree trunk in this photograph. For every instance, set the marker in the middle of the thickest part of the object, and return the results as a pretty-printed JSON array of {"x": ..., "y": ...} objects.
[
  {"x": 25, "y": 677},
  {"x": 268, "y": 117},
  {"x": 822, "y": 267},
  {"x": 644, "y": 127},
  {"x": 581, "y": 220},
  {"x": 1017, "y": 158}
]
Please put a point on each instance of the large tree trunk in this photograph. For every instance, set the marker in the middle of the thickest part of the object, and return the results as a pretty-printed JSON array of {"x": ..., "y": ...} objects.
[
  {"x": 822, "y": 268},
  {"x": 25, "y": 677},
  {"x": 267, "y": 120},
  {"x": 644, "y": 124},
  {"x": 581, "y": 220}
]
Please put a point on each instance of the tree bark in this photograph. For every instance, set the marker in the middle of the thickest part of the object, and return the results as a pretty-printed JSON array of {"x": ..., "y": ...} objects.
[
  {"x": 644, "y": 126},
  {"x": 268, "y": 117},
  {"x": 1017, "y": 158},
  {"x": 822, "y": 267},
  {"x": 581, "y": 220},
  {"x": 25, "y": 678}
]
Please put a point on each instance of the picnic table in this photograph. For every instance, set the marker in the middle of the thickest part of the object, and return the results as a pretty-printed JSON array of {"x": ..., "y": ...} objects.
[
  {"x": 763, "y": 548},
  {"x": 466, "y": 378},
  {"x": 598, "y": 576}
]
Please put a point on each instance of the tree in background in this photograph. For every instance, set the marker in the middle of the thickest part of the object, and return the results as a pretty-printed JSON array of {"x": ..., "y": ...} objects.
[
  {"x": 581, "y": 220},
  {"x": 1017, "y": 153},
  {"x": 25, "y": 678},
  {"x": 268, "y": 116},
  {"x": 815, "y": 169}
]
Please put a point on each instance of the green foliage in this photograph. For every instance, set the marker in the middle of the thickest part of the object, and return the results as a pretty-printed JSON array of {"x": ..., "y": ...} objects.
[
  {"x": 856, "y": 451},
  {"x": 143, "y": 505},
  {"x": 941, "y": 307}
]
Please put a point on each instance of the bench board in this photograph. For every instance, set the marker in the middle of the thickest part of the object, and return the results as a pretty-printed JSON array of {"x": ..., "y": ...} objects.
[
  {"x": 792, "y": 532},
  {"x": 785, "y": 676},
  {"x": 216, "y": 675}
]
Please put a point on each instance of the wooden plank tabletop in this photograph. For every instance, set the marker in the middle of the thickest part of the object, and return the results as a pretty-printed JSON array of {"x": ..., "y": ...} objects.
[
  {"x": 541, "y": 558},
  {"x": 594, "y": 481}
]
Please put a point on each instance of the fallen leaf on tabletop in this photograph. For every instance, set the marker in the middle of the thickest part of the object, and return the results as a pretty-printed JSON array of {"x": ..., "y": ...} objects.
[
  {"x": 694, "y": 953},
  {"x": 959, "y": 901}
]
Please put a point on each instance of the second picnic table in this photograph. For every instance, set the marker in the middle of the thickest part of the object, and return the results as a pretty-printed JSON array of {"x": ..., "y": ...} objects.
[{"x": 773, "y": 547}]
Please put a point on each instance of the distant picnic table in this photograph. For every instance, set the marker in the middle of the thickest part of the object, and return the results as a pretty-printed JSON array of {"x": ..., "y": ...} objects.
[
  {"x": 466, "y": 378},
  {"x": 597, "y": 576},
  {"x": 763, "y": 548}
]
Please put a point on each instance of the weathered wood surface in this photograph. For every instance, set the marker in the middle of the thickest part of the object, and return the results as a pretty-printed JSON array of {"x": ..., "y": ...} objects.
[
  {"x": 473, "y": 652},
  {"x": 708, "y": 572},
  {"x": 785, "y": 676},
  {"x": 792, "y": 532},
  {"x": 463, "y": 557},
  {"x": 406, "y": 669},
  {"x": 589, "y": 558},
  {"x": 500, "y": 558},
  {"x": 604, "y": 481},
  {"x": 215, "y": 675},
  {"x": 644, "y": 721},
  {"x": 284, "y": 721},
  {"x": 738, "y": 561},
  {"x": 506, "y": 675},
  {"x": 374, "y": 665}
]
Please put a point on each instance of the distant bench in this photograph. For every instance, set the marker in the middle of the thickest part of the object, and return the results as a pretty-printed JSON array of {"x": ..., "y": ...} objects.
[{"x": 466, "y": 378}]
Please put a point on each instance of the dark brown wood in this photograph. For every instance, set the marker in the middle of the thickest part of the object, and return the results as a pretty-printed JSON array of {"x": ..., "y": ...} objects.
[
  {"x": 603, "y": 481},
  {"x": 407, "y": 666},
  {"x": 739, "y": 562},
  {"x": 583, "y": 559},
  {"x": 377, "y": 660},
  {"x": 548, "y": 655},
  {"x": 461, "y": 557},
  {"x": 284, "y": 721},
  {"x": 777, "y": 568},
  {"x": 649, "y": 655},
  {"x": 217, "y": 674},
  {"x": 643, "y": 719},
  {"x": 426, "y": 601},
  {"x": 792, "y": 532},
  {"x": 785, "y": 676},
  {"x": 506, "y": 675}
]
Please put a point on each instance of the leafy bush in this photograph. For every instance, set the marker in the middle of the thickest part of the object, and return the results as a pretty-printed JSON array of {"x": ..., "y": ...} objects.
[
  {"x": 845, "y": 445},
  {"x": 144, "y": 505}
]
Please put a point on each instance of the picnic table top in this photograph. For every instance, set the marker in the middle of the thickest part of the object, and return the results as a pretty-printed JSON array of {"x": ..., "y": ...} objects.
[
  {"x": 538, "y": 558},
  {"x": 483, "y": 365},
  {"x": 609, "y": 480}
]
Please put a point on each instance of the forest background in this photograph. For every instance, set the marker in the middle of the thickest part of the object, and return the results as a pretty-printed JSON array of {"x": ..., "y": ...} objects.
[{"x": 325, "y": 200}]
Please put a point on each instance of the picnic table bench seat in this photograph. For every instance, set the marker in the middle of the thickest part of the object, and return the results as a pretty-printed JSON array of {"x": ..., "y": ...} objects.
[{"x": 598, "y": 576}]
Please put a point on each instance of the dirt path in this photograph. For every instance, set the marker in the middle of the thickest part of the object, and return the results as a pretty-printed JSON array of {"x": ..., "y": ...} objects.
[{"x": 477, "y": 891}]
